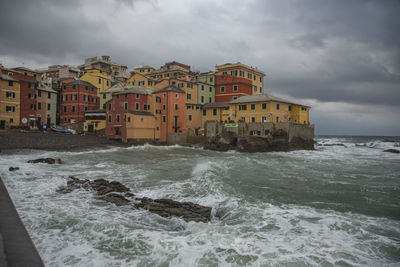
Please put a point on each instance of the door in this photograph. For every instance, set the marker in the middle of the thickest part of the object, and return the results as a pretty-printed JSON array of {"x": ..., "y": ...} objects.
[
  {"x": 90, "y": 128},
  {"x": 176, "y": 123},
  {"x": 2, "y": 124}
]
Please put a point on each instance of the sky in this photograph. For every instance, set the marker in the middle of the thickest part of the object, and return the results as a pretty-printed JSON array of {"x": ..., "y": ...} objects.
[{"x": 340, "y": 57}]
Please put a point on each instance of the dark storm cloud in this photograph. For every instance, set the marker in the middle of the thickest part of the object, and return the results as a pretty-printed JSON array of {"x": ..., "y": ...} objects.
[{"x": 342, "y": 51}]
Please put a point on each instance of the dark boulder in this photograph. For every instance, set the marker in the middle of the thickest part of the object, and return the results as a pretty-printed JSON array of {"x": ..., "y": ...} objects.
[
  {"x": 392, "y": 151},
  {"x": 111, "y": 192},
  {"x": 13, "y": 169},
  {"x": 46, "y": 160}
]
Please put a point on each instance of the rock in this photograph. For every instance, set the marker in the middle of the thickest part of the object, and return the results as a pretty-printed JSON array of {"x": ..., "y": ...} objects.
[
  {"x": 331, "y": 145},
  {"x": 388, "y": 141},
  {"x": 45, "y": 160},
  {"x": 13, "y": 169},
  {"x": 109, "y": 191},
  {"x": 392, "y": 151}
]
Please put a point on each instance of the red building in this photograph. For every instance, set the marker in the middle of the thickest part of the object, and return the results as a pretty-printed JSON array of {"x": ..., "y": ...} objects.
[
  {"x": 76, "y": 98},
  {"x": 228, "y": 88},
  {"x": 135, "y": 100},
  {"x": 171, "y": 109}
]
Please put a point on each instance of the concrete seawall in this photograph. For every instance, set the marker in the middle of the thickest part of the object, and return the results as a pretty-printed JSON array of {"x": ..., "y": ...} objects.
[{"x": 16, "y": 247}]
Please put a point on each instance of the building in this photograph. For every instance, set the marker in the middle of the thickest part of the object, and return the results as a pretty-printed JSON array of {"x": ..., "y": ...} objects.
[
  {"x": 170, "y": 107},
  {"x": 140, "y": 79},
  {"x": 106, "y": 95},
  {"x": 46, "y": 102},
  {"x": 194, "y": 118},
  {"x": 143, "y": 69},
  {"x": 97, "y": 78},
  {"x": 257, "y": 108},
  {"x": 243, "y": 71},
  {"x": 95, "y": 121},
  {"x": 206, "y": 88},
  {"x": 9, "y": 101},
  {"x": 59, "y": 72},
  {"x": 104, "y": 64},
  {"x": 28, "y": 72},
  {"x": 128, "y": 115},
  {"x": 171, "y": 70},
  {"x": 228, "y": 88},
  {"x": 77, "y": 97},
  {"x": 187, "y": 84}
]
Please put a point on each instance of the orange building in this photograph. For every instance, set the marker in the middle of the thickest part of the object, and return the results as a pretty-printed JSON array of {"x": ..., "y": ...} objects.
[{"x": 170, "y": 107}]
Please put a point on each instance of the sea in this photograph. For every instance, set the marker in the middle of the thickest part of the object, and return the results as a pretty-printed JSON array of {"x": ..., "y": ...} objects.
[{"x": 338, "y": 205}]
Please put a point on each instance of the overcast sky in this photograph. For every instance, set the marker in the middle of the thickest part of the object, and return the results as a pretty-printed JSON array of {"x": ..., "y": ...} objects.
[{"x": 342, "y": 58}]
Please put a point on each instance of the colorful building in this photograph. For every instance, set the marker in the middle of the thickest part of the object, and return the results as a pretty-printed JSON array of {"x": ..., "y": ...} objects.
[
  {"x": 171, "y": 70},
  {"x": 97, "y": 78},
  {"x": 9, "y": 101},
  {"x": 206, "y": 88},
  {"x": 170, "y": 107},
  {"x": 228, "y": 88},
  {"x": 77, "y": 97},
  {"x": 194, "y": 118},
  {"x": 139, "y": 79},
  {"x": 187, "y": 84},
  {"x": 46, "y": 102},
  {"x": 106, "y": 95},
  {"x": 95, "y": 121},
  {"x": 144, "y": 69},
  {"x": 28, "y": 72},
  {"x": 218, "y": 112},
  {"x": 243, "y": 71},
  {"x": 267, "y": 108}
]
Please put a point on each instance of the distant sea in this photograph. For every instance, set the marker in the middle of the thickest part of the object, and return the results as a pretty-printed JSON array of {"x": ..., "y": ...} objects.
[{"x": 337, "y": 205}]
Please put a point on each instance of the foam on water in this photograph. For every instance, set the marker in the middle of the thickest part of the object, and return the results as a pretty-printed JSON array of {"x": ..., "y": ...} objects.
[{"x": 296, "y": 208}]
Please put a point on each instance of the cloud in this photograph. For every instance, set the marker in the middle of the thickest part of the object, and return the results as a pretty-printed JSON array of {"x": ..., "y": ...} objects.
[{"x": 341, "y": 51}]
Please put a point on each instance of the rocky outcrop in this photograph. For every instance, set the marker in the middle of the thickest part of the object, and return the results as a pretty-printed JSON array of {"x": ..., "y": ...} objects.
[
  {"x": 392, "y": 151},
  {"x": 120, "y": 195},
  {"x": 46, "y": 160},
  {"x": 13, "y": 169},
  {"x": 257, "y": 143}
]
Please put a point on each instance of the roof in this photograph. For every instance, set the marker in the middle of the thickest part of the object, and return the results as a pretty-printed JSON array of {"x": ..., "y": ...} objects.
[
  {"x": 135, "y": 90},
  {"x": 8, "y": 78},
  {"x": 115, "y": 88},
  {"x": 80, "y": 82},
  {"x": 171, "y": 88},
  {"x": 217, "y": 105},
  {"x": 261, "y": 98},
  {"x": 145, "y": 113},
  {"x": 144, "y": 67}
]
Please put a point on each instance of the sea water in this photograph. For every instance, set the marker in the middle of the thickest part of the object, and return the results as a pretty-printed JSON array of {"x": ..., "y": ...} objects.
[{"x": 337, "y": 205}]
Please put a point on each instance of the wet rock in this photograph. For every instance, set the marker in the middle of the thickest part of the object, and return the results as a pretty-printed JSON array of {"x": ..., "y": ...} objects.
[
  {"x": 331, "y": 145},
  {"x": 111, "y": 192},
  {"x": 46, "y": 160},
  {"x": 13, "y": 169},
  {"x": 392, "y": 151}
]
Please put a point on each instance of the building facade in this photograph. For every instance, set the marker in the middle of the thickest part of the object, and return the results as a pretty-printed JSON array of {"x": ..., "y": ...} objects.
[
  {"x": 228, "y": 88},
  {"x": 206, "y": 88},
  {"x": 9, "y": 101}
]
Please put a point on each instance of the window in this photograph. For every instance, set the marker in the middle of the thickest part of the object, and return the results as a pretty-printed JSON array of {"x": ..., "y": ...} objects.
[
  {"x": 211, "y": 79},
  {"x": 48, "y": 106},
  {"x": 85, "y": 98},
  {"x": 109, "y": 106},
  {"x": 99, "y": 80},
  {"x": 222, "y": 89},
  {"x": 141, "y": 83},
  {"x": 214, "y": 111},
  {"x": 73, "y": 109},
  {"x": 264, "y": 119},
  {"x": 129, "y": 119},
  {"x": 126, "y": 105},
  {"x": 277, "y": 106},
  {"x": 210, "y": 89},
  {"x": 243, "y": 107},
  {"x": 176, "y": 96},
  {"x": 253, "y": 119},
  {"x": 39, "y": 106},
  {"x": 190, "y": 117},
  {"x": 10, "y": 83},
  {"x": 197, "y": 107},
  {"x": 204, "y": 112},
  {"x": 210, "y": 100},
  {"x": 10, "y": 109},
  {"x": 255, "y": 88},
  {"x": 163, "y": 106},
  {"x": 104, "y": 96},
  {"x": 164, "y": 95},
  {"x": 137, "y": 106},
  {"x": 303, "y": 108},
  {"x": 241, "y": 73},
  {"x": 290, "y": 108},
  {"x": 264, "y": 106},
  {"x": 176, "y": 106},
  {"x": 255, "y": 77},
  {"x": 144, "y": 107},
  {"x": 235, "y": 88},
  {"x": 137, "y": 96},
  {"x": 202, "y": 99},
  {"x": 158, "y": 99},
  {"x": 39, "y": 93},
  {"x": 64, "y": 87},
  {"x": 189, "y": 85},
  {"x": 73, "y": 87},
  {"x": 109, "y": 118},
  {"x": 48, "y": 95},
  {"x": 180, "y": 85},
  {"x": 65, "y": 108},
  {"x": 235, "y": 97},
  {"x": 202, "y": 87},
  {"x": 189, "y": 96},
  {"x": 253, "y": 106},
  {"x": 163, "y": 118},
  {"x": 117, "y": 118},
  {"x": 277, "y": 119},
  {"x": 243, "y": 119},
  {"x": 107, "y": 83},
  {"x": 86, "y": 88},
  {"x": 11, "y": 94},
  {"x": 86, "y": 108}
]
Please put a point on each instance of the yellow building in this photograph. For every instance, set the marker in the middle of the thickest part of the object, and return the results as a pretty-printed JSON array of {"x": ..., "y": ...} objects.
[
  {"x": 141, "y": 125},
  {"x": 218, "y": 112},
  {"x": 194, "y": 118},
  {"x": 95, "y": 121},
  {"x": 139, "y": 79},
  {"x": 144, "y": 69},
  {"x": 98, "y": 78},
  {"x": 9, "y": 101},
  {"x": 241, "y": 70},
  {"x": 267, "y": 108}
]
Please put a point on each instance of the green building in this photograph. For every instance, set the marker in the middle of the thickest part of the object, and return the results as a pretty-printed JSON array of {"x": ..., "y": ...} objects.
[{"x": 206, "y": 88}]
